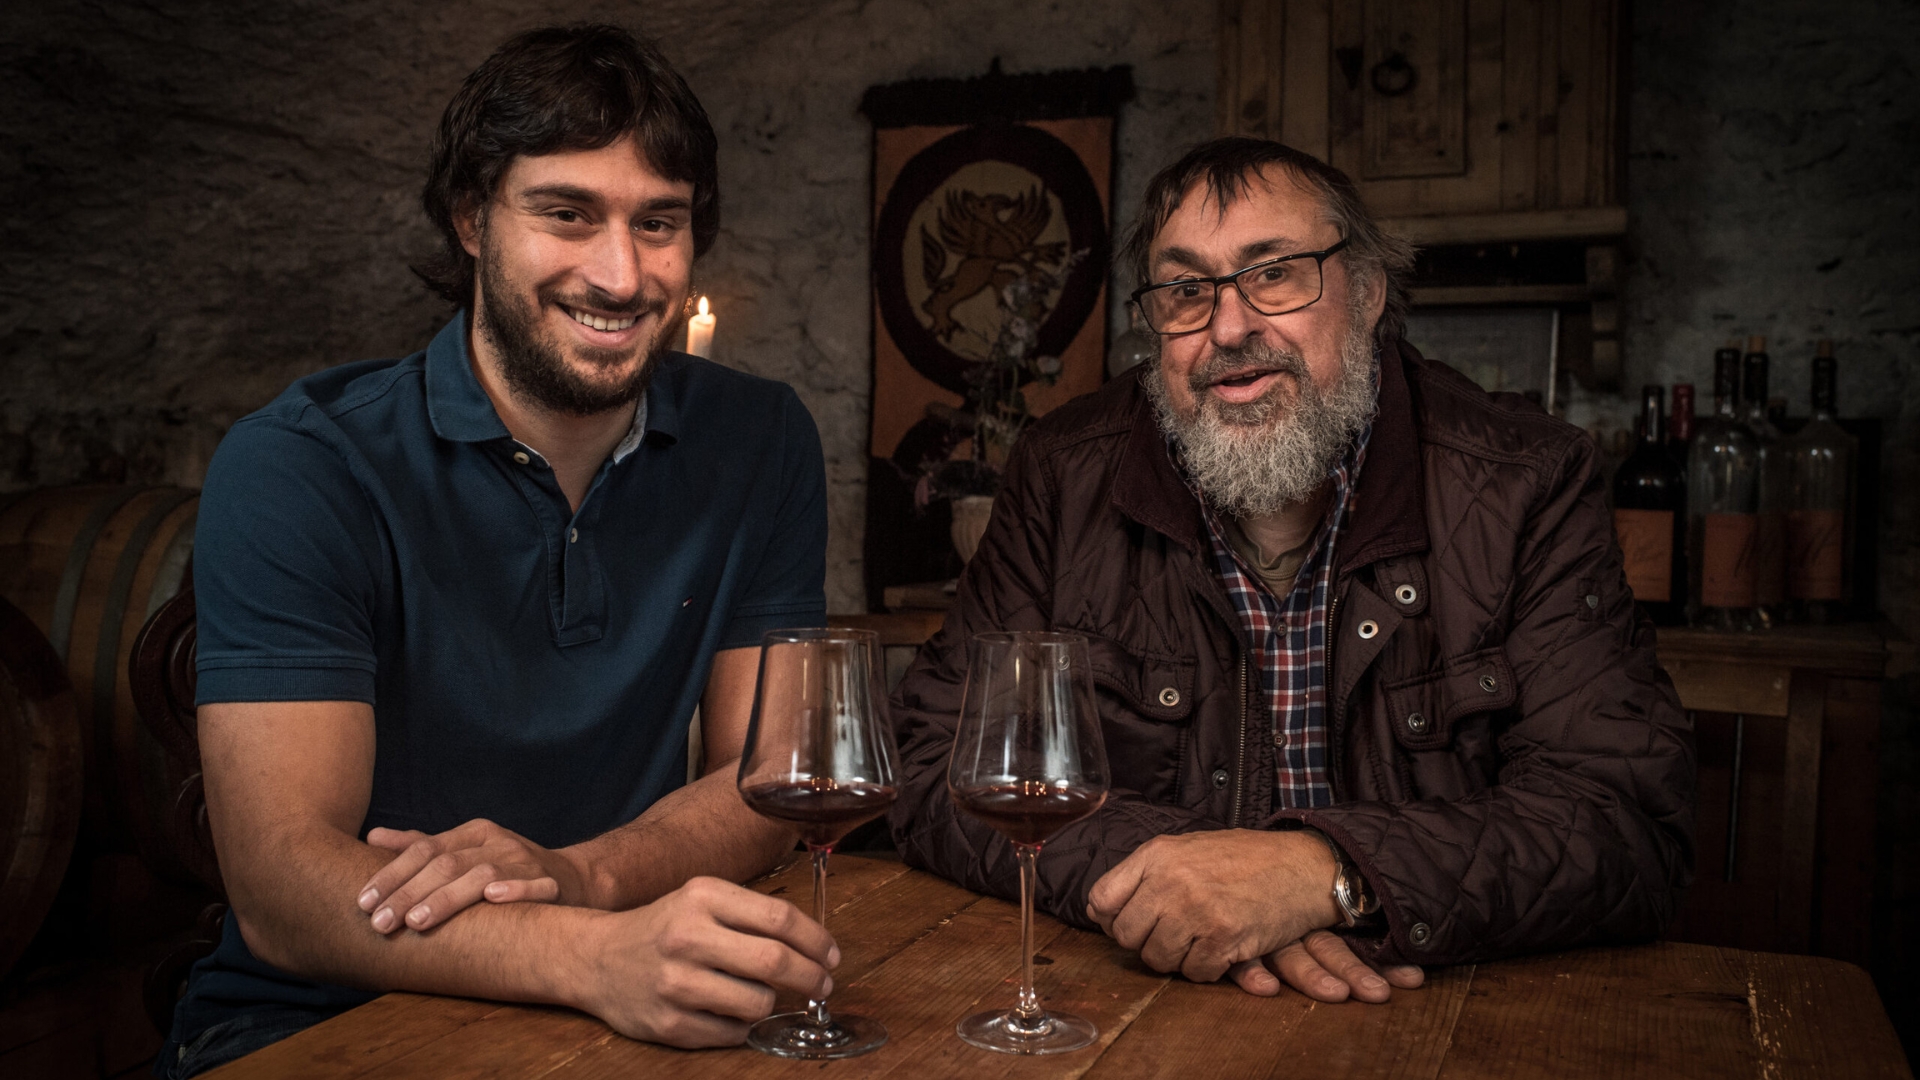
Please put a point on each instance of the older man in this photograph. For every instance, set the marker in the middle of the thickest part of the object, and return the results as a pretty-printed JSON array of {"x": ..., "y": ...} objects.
[{"x": 1372, "y": 687}]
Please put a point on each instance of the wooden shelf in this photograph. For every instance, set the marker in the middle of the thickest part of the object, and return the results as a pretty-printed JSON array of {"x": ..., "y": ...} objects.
[
  {"x": 1485, "y": 295},
  {"x": 1519, "y": 225}
]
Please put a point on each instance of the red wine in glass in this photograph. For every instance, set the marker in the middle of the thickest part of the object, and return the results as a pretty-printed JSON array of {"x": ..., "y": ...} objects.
[
  {"x": 819, "y": 756},
  {"x": 1027, "y": 762},
  {"x": 1028, "y": 811},
  {"x": 823, "y": 809}
]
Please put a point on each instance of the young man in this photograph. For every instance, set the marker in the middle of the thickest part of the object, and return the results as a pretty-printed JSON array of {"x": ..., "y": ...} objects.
[
  {"x": 456, "y": 610},
  {"x": 1364, "y": 654}
]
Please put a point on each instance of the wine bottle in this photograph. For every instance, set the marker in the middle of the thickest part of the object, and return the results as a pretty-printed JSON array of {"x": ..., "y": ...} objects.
[
  {"x": 1820, "y": 460},
  {"x": 1723, "y": 497},
  {"x": 1680, "y": 424},
  {"x": 1770, "y": 528},
  {"x": 1649, "y": 517}
]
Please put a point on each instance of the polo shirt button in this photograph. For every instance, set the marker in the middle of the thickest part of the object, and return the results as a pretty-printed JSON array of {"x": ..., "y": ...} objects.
[
  {"x": 1169, "y": 697},
  {"x": 521, "y": 457},
  {"x": 1406, "y": 594},
  {"x": 1220, "y": 779},
  {"x": 573, "y": 536},
  {"x": 1419, "y": 934},
  {"x": 1368, "y": 629}
]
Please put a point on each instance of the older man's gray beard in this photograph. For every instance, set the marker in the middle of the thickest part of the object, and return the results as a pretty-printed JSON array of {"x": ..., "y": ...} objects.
[{"x": 1255, "y": 458}]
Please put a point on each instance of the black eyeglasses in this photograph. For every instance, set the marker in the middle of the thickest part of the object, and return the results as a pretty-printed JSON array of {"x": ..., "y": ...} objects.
[{"x": 1274, "y": 287}]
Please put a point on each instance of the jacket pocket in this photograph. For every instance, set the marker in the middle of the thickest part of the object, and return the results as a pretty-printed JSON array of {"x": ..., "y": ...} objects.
[
  {"x": 1425, "y": 710},
  {"x": 1158, "y": 688}
]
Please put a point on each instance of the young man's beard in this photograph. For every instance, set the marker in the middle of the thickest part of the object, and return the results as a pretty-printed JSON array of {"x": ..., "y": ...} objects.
[
  {"x": 1255, "y": 458},
  {"x": 533, "y": 364}
]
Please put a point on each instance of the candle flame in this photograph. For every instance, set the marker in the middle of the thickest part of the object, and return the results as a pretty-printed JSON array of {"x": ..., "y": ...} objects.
[{"x": 703, "y": 305}]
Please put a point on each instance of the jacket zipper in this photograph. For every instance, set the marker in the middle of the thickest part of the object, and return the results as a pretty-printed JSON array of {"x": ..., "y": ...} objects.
[
  {"x": 1335, "y": 728},
  {"x": 1240, "y": 755}
]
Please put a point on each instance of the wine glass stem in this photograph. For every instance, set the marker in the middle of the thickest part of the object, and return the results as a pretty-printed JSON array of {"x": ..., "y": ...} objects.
[
  {"x": 1029, "y": 1006},
  {"x": 817, "y": 1009}
]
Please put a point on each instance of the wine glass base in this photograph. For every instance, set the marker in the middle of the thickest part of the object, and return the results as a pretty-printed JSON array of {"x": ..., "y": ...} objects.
[
  {"x": 793, "y": 1035},
  {"x": 1006, "y": 1032}
]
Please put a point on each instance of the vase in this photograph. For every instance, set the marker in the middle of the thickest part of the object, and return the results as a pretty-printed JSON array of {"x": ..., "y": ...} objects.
[{"x": 970, "y": 514}]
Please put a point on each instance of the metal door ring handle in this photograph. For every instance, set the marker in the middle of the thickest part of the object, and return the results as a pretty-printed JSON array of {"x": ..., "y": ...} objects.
[{"x": 1393, "y": 76}]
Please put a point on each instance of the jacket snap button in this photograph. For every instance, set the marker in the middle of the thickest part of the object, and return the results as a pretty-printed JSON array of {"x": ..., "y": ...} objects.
[
  {"x": 1593, "y": 601},
  {"x": 1406, "y": 594},
  {"x": 1368, "y": 629},
  {"x": 1487, "y": 684},
  {"x": 1220, "y": 778},
  {"x": 1417, "y": 724},
  {"x": 1169, "y": 697},
  {"x": 1419, "y": 933},
  {"x": 521, "y": 456}
]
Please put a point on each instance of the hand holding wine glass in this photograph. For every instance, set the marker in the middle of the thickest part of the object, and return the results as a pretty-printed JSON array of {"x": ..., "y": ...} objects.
[
  {"x": 1028, "y": 761},
  {"x": 819, "y": 756}
]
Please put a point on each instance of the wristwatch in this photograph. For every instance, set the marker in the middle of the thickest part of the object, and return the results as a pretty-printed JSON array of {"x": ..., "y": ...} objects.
[{"x": 1356, "y": 902}]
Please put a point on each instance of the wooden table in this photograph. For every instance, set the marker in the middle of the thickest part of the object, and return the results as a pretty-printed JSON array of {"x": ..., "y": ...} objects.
[{"x": 919, "y": 953}]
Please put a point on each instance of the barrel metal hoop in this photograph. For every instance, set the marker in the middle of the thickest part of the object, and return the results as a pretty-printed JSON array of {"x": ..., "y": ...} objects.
[
  {"x": 173, "y": 565},
  {"x": 67, "y": 598},
  {"x": 106, "y": 655}
]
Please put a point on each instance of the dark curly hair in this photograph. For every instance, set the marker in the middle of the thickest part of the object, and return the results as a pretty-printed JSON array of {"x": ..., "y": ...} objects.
[
  {"x": 563, "y": 88},
  {"x": 1224, "y": 166}
]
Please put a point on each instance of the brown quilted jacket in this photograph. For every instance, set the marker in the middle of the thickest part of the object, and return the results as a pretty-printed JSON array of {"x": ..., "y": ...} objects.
[{"x": 1511, "y": 768}]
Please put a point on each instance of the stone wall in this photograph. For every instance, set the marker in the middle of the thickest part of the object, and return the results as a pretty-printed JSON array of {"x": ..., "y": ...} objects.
[{"x": 200, "y": 202}]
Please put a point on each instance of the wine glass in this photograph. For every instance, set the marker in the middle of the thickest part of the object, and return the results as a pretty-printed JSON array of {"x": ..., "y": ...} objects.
[
  {"x": 819, "y": 756},
  {"x": 1028, "y": 761}
]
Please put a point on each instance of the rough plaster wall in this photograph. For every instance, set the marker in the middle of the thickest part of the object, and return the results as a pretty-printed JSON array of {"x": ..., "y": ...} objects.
[
  {"x": 1773, "y": 151},
  {"x": 201, "y": 202}
]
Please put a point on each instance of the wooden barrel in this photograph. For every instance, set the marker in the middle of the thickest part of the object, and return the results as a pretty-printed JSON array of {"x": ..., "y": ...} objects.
[
  {"x": 39, "y": 779},
  {"x": 89, "y": 565}
]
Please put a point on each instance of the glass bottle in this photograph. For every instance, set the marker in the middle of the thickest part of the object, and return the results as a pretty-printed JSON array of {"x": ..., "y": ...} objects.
[
  {"x": 1680, "y": 423},
  {"x": 1820, "y": 461},
  {"x": 1723, "y": 486},
  {"x": 1649, "y": 517},
  {"x": 1770, "y": 534}
]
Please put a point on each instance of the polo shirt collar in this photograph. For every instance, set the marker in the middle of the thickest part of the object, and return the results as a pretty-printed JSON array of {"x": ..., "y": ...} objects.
[
  {"x": 457, "y": 406},
  {"x": 460, "y": 410}
]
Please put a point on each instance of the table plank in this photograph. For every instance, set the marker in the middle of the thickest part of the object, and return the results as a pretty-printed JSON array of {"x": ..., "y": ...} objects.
[
  {"x": 1407, "y": 1037},
  {"x": 1203, "y": 1029},
  {"x": 1671, "y": 1009},
  {"x": 510, "y": 1042},
  {"x": 383, "y": 1030}
]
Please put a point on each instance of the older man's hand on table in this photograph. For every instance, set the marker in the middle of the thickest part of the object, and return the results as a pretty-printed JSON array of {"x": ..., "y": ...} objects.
[{"x": 1246, "y": 903}]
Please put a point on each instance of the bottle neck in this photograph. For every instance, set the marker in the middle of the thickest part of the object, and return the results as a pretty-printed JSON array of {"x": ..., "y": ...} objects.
[{"x": 1653, "y": 427}]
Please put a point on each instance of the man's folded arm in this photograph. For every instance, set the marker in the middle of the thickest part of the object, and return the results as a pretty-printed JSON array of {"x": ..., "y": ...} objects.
[
  {"x": 287, "y": 785},
  {"x": 1587, "y": 836},
  {"x": 1006, "y": 586}
]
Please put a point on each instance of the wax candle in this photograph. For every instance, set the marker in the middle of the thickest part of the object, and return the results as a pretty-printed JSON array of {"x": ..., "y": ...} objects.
[{"x": 700, "y": 332}]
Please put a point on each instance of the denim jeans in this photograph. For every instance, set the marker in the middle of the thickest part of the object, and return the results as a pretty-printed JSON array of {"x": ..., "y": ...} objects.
[{"x": 235, "y": 1038}]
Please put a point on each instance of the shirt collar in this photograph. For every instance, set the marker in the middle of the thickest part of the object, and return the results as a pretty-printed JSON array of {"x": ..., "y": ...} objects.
[
  {"x": 456, "y": 404},
  {"x": 460, "y": 410}
]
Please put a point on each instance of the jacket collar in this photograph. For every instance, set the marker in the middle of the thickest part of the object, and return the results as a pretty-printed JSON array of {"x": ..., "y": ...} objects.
[
  {"x": 461, "y": 411},
  {"x": 1389, "y": 508}
]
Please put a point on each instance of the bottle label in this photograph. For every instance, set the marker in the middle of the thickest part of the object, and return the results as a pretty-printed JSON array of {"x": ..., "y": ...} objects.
[
  {"x": 1816, "y": 547},
  {"x": 1769, "y": 558},
  {"x": 1727, "y": 561},
  {"x": 1646, "y": 546}
]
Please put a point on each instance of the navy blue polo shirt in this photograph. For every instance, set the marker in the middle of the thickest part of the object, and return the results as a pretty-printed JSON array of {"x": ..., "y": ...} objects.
[{"x": 376, "y": 535}]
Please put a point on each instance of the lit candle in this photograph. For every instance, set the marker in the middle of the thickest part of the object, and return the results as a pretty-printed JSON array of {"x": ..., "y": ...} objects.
[{"x": 700, "y": 332}]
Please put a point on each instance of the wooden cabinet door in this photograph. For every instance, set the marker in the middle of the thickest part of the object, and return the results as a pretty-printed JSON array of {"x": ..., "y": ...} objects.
[{"x": 1434, "y": 106}]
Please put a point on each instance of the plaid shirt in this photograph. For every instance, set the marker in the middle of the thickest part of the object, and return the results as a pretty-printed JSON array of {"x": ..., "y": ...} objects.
[{"x": 1288, "y": 640}]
